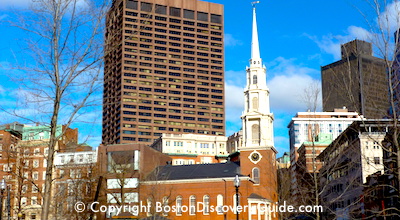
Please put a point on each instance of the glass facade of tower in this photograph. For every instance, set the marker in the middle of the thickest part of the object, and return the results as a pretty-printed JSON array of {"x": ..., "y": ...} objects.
[{"x": 164, "y": 70}]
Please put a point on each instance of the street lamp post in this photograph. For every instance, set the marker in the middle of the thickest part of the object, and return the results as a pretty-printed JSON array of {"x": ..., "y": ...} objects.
[
  {"x": 236, "y": 183},
  {"x": 2, "y": 188}
]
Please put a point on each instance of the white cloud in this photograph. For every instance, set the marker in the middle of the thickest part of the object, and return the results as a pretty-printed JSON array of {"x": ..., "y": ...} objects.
[
  {"x": 287, "y": 91},
  {"x": 288, "y": 84},
  {"x": 389, "y": 19},
  {"x": 234, "y": 96},
  {"x": 330, "y": 43},
  {"x": 229, "y": 40}
]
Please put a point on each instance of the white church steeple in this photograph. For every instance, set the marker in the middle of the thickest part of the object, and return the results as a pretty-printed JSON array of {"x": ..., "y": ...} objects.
[
  {"x": 255, "y": 48},
  {"x": 257, "y": 119}
]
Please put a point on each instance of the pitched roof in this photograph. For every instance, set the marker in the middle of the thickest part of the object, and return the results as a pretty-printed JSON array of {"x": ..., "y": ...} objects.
[{"x": 197, "y": 171}]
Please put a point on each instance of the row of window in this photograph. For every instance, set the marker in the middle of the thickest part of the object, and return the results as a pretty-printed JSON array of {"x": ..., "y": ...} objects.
[
  {"x": 144, "y": 101},
  {"x": 192, "y": 204},
  {"x": 143, "y": 139},
  {"x": 171, "y": 11}
]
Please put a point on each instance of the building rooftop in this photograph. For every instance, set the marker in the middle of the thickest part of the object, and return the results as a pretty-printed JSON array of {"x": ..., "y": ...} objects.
[{"x": 197, "y": 171}]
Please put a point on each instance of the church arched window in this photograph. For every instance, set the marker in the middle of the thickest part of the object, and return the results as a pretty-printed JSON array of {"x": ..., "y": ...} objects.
[
  {"x": 255, "y": 103},
  {"x": 254, "y": 79},
  {"x": 256, "y": 175},
  {"x": 255, "y": 131}
]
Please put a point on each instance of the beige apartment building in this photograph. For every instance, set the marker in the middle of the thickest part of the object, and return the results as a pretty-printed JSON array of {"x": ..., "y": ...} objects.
[
  {"x": 192, "y": 148},
  {"x": 164, "y": 70}
]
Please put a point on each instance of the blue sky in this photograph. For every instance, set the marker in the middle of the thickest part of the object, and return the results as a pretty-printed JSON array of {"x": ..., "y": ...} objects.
[{"x": 296, "y": 38}]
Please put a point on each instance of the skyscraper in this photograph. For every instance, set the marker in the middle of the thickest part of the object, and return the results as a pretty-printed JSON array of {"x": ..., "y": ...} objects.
[
  {"x": 164, "y": 70},
  {"x": 358, "y": 81}
]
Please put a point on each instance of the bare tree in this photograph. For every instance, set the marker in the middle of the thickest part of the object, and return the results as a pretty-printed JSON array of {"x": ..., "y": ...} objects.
[{"x": 64, "y": 44}]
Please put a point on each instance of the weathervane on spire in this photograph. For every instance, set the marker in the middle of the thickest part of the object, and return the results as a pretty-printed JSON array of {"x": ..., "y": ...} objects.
[{"x": 254, "y": 3}]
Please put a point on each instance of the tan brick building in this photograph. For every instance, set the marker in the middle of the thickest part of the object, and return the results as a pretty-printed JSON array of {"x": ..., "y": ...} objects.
[{"x": 164, "y": 70}]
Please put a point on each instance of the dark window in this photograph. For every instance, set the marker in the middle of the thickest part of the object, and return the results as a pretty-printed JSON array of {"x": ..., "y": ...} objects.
[
  {"x": 160, "y": 18},
  {"x": 129, "y": 106},
  {"x": 174, "y": 20},
  {"x": 145, "y": 107},
  {"x": 129, "y": 87},
  {"x": 202, "y": 16},
  {"x": 188, "y": 22},
  {"x": 144, "y": 139},
  {"x": 188, "y": 14},
  {"x": 129, "y": 113},
  {"x": 130, "y": 74},
  {"x": 189, "y": 118},
  {"x": 175, "y": 12},
  {"x": 146, "y": 16},
  {"x": 175, "y": 38},
  {"x": 144, "y": 114},
  {"x": 201, "y": 25},
  {"x": 144, "y": 6},
  {"x": 145, "y": 89},
  {"x": 189, "y": 100},
  {"x": 216, "y": 18},
  {"x": 160, "y": 109},
  {"x": 175, "y": 116},
  {"x": 131, "y": 13},
  {"x": 132, "y": 4},
  {"x": 160, "y": 90},
  {"x": 161, "y": 9},
  {"x": 145, "y": 120}
]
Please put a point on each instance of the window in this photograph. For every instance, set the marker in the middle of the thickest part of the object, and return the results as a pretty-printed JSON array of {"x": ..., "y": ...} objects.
[
  {"x": 256, "y": 175},
  {"x": 206, "y": 204},
  {"x": 255, "y": 79},
  {"x": 377, "y": 160},
  {"x": 179, "y": 205},
  {"x": 202, "y": 16},
  {"x": 132, "y": 4},
  {"x": 192, "y": 205},
  {"x": 255, "y": 130},
  {"x": 161, "y": 9},
  {"x": 188, "y": 14},
  {"x": 216, "y": 18},
  {"x": 35, "y": 175},
  {"x": 23, "y": 201},
  {"x": 175, "y": 12},
  {"x": 35, "y": 163}
]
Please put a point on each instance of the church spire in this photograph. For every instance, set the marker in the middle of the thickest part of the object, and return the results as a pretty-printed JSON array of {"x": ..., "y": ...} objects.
[{"x": 255, "y": 48}]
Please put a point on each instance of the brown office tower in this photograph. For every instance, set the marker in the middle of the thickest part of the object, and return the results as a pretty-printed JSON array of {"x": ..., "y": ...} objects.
[
  {"x": 164, "y": 70},
  {"x": 358, "y": 82}
]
